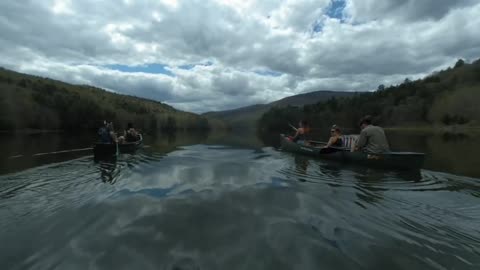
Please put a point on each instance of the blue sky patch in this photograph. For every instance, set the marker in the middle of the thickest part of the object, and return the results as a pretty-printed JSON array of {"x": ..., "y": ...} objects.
[
  {"x": 149, "y": 68},
  {"x": 335, "y": 11},
  {"x": 318, "y": 26},
  {"x": 336, "y": 8},
  {"x": 269, "y": 73}
]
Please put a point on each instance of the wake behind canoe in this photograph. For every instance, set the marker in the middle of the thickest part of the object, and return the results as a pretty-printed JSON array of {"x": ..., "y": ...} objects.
[{"x": 390, "y": 160}]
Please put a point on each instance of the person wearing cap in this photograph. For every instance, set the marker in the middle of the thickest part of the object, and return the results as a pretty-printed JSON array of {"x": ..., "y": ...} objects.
[
  {"x": 372, "y": 138},
  {"x": 335, "y": 137}
]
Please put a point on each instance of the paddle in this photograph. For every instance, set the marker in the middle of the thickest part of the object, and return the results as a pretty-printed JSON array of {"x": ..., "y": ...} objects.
[
  {"x": 330, "y": 148},
  {"x": 318, "y": 142}
]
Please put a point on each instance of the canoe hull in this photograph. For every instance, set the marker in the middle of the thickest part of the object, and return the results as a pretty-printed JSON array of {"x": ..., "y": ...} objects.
[
  {"x": 105, "y": 149},
  {"x": 109, "y": 149},
  {"x": 390, "y": 160}
]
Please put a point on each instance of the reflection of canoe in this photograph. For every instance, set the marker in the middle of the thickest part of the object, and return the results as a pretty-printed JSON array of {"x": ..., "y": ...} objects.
[
  {"x": 392, "y": 160},
  {"x": 107, "y": 149}
]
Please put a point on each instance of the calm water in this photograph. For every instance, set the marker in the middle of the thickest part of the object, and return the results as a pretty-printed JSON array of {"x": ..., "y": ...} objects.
[{"x": 204, "y": 201}]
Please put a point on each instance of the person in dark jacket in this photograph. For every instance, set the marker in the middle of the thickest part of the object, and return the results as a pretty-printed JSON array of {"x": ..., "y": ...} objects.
[{"x": 106, "y": 133}]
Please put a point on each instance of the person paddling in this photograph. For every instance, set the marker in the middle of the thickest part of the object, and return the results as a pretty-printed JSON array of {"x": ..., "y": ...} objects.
[
  {"x": 372, "y": 138},
  {"x": 131, "y": 135},
  {"x": 301, "y": 133}
]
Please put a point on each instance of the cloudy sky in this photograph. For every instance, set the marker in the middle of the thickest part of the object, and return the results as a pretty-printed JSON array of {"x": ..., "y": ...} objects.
[{"x": 203, "y": 55}]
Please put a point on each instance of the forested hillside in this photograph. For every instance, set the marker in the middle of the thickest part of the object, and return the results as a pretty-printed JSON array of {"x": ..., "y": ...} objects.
[
  {"x": 448, "y": 97},
  {"x": 30, "y": 102},
  {"x": 247, "y": 117}
]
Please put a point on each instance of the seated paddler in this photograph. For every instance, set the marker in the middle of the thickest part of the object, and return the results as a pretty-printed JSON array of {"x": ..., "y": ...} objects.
[
  {"x": 301, "y": 133},
  {"x": 372, "y": 138},
  {"x": 129, "y": 134},
  {"x": 335, "y": 137},
  {"x": 106, "y": 133}
]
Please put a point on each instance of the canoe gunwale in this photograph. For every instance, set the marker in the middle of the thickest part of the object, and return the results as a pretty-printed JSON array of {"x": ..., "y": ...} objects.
[{"x": 394, "y": 160}]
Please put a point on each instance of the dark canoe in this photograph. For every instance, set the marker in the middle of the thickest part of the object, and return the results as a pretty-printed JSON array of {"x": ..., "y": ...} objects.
[
  {"x": 109, "y": 149},
  {"x": 390, "y": 160}
]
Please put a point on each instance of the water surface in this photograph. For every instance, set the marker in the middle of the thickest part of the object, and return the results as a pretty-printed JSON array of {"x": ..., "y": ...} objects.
[{"x": 236, "y": 202}]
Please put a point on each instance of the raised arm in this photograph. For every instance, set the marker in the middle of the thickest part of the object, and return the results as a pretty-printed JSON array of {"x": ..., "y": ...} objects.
[
  {"x": 331, "y": 141},
  {"x": 297, "y": 133}
]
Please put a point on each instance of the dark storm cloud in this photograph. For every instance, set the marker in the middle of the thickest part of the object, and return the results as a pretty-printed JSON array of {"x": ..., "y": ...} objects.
[{"x": 405, "y": 10}]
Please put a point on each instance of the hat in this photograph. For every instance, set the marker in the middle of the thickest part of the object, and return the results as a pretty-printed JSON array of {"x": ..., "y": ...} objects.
[
  {"x": 335, "y": 127},
  {"x": 365, "y": 120}
]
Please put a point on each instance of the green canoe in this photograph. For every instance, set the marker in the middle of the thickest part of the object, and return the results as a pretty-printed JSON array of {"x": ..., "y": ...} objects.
[{"x": 390, "y": 160}]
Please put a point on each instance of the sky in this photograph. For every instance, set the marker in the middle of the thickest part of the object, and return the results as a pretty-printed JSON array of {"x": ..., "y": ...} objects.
[{"x": 205, "y": 55}]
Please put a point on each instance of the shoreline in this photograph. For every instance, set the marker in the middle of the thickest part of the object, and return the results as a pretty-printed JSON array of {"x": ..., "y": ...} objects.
[
  {"x": 30, "y": 131},
  {"x": 422, "y": 129},
  {"x": 437, "y": 129}
]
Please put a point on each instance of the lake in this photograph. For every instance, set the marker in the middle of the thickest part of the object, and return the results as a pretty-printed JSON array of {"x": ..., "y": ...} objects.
[{"x": 235, "y": 201}]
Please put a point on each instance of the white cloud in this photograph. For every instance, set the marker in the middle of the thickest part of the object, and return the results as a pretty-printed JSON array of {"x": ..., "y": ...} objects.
[
  {"x": 299, "y": 15},
  {"x": 380, "y": 42},
  {"x": 62, "y": 7}
]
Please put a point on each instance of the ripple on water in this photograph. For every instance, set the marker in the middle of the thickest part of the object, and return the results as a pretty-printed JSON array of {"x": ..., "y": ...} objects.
[
  {"x": 392, "y": 201},
  {"x": 216, "y": 207}
]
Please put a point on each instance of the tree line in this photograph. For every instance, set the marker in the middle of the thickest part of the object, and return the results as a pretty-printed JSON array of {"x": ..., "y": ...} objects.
[
  {"x": 447, "y": 97},
  {"x": 30, "y": 102}
]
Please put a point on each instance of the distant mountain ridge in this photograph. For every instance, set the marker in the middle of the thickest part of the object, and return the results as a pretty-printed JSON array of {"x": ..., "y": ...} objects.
[
  {"x": 444, "y": 100},
  {"x": 248, "y": 116}
]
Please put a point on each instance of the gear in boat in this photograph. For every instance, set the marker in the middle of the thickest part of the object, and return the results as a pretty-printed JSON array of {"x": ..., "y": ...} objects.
[{"x": 110, "y": 144}]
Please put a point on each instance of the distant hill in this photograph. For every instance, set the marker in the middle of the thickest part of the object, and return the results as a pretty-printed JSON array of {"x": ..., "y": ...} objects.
[
  {"x": 445, "y": 98},
  {"x": 248, "y": 116},
  {"x": 31, "y": 102}
]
